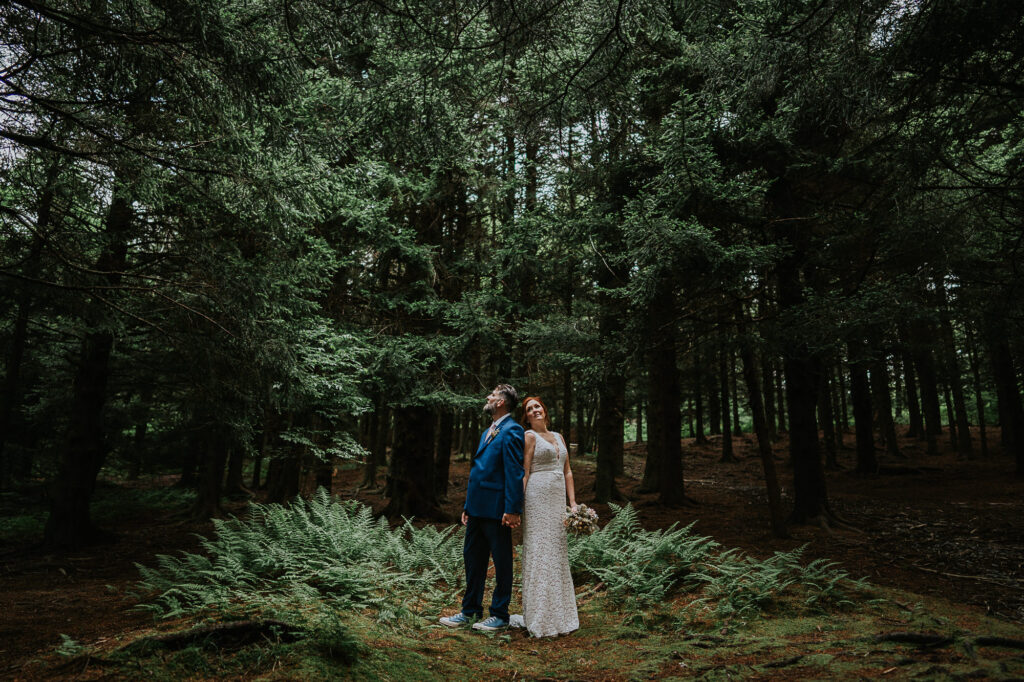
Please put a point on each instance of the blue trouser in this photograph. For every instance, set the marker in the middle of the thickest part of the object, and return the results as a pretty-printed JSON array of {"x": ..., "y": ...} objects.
[{"x": 487, "y": 538}]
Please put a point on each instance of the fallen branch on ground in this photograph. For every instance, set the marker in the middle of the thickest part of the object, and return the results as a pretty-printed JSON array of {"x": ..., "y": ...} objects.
[{"x": 969, "y": 577}]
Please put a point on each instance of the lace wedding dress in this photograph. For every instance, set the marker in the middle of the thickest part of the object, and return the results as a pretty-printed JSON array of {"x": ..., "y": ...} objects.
[{"x": 549, "y": 598}]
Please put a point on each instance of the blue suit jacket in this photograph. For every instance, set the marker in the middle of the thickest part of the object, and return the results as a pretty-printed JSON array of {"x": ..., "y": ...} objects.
[{"x": 496, "y": 475}]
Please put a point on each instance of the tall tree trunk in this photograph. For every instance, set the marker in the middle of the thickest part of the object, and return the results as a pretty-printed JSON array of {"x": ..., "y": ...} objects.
[
  {"x": 443, "y": 458},
  {"x": 950, "y": 416},
  {"x": 897, "y": 378},
  {"x": 565, "y": 419},
  {"x": 979, "y": 399},
  {"x": 610, "y": 422},
  {"x": 827, "y": 421},
  {"x": 664, "y": 453},
  {"x": 639, "y": 422},
  {"x": 764, "y": 446},
  {"x": 916, "y": 427},
  {"x": 234, "y": 488},
  {"x": 843, "y": 410},
  {"x": 285, "y": 470},
  {"x": 466, "y": 445},
  {"x": 714, "y": 398},
  {"x": 70, "y": 524},
  {"x": 954, "y": 377},
  {"x": 581, "y": 429},
  {"x": 781, "y": 399},
  {"x": 800, "y": 366},
  {"x": 211, "y": 474},
  {"x": 138, "y": 442},
  {"x": 370, "y": 459},
  {"x": 737, "y": 427},
  {"x": 266, "y": 433},
  {"x": 190, "y": 460},
  {"x": 860, "y": 397},
  {"x": 324, "y": 474},
  {"x": 323, "y": 462},
  {"x": 283, "y": 476},
  {"x": 690, "y": 430},
  {"x": 838, "y": 398},
  {"x": 1008, "y": 394},
  {"x": 924, "y": 364},
  {"x": 723, "y": 382},
  {"x": 412, "y": 465},
  {"x": 880, "y": 389},
  {"x": 768, "y": 383},
  {"x": 698, "y": 397}
]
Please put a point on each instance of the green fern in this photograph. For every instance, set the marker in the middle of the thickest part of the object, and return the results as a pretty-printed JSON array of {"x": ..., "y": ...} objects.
[
  {"x": 311, "y": 553},
  {"x": 640, "y": 569},
  {"x": 317, "y": 549}
]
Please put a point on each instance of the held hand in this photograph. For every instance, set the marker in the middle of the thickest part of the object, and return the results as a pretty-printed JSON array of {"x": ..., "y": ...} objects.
[
  {"x": 510, "y": 520},
  {"x": 465, "y": 517},
  {"x": 574, "y": 507}
]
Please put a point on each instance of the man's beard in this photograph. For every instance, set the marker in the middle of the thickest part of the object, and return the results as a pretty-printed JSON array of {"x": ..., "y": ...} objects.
[{"x": 489, "y": 408}]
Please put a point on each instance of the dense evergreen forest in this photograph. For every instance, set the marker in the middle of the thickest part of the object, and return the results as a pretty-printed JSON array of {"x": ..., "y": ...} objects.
[{"x": 251, "y": 240}]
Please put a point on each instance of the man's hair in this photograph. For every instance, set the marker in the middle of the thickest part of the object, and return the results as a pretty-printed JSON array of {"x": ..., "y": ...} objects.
[{"x": 509, "y": 395}]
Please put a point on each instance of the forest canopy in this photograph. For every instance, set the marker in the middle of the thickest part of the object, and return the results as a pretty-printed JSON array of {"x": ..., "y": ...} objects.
[{"x": 259, "y": 236}]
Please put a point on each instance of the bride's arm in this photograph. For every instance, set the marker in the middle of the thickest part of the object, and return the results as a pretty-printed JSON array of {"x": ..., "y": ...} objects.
[
  {"x": 531, "y": 441},
  {"x": 570, "y": 487}
]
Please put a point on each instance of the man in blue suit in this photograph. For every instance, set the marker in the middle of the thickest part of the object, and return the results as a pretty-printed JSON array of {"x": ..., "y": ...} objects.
[{"x": 494, "y": 506}]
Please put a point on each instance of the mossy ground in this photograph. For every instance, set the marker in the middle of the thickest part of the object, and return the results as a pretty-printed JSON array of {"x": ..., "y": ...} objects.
[{"x": 610, "y": 645}]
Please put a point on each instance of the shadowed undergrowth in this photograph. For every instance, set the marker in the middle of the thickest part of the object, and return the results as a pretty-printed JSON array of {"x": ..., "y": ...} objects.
[
  {"x": 334, "y": 553},
  {"x": 320, "y": 588}
]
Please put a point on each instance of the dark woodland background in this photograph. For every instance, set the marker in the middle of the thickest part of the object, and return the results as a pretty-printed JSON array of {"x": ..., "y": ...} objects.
[{"x": 246, "y": 241}]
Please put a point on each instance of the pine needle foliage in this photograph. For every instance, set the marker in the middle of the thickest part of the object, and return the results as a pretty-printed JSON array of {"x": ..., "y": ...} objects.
[{"x": 310, "y": 551}]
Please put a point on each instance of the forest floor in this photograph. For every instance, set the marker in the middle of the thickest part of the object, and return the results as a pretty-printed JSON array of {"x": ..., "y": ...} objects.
[{"x": 949, "y": 531}]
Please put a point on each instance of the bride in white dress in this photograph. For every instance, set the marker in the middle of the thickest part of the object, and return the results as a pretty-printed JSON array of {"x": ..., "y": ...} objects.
[{"x": 549, "y": 598}]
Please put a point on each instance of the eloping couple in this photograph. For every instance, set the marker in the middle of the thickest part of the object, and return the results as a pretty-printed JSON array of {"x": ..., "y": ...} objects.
[{"x": 515, "y": 472}]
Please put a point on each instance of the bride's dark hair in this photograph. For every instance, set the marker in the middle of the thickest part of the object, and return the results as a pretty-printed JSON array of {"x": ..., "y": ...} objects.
[{"x": 526, "y": 417}]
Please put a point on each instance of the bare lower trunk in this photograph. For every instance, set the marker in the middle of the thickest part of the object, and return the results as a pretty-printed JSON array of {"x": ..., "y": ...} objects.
[
  {"x": 610, "y": 422},
  {"x": 211, "y": 474},
  {"x": 764, "y": 448},
  {"x": 69, "y": 524},
  {"x": 916, "y": 429},
  {"x": 663, "y": 394},
  {"x": 880, "y": 390},
  {"x": 412, "y": 465},
  {"x": 1008, "y": 392},
  {"x": 860, "y": 397},
  {"x": 443, "y": 458},
  {"x": 723, "y": 380},
  {"x": 827, "y": 421}
]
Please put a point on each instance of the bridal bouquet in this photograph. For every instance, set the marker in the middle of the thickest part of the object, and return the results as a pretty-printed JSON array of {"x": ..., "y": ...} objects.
[{"x": 583, "y": 521}]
